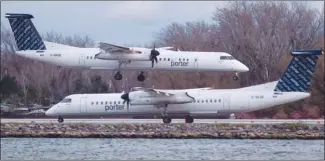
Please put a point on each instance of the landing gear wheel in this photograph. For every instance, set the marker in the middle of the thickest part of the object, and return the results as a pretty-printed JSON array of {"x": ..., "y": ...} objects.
[
  {"x": 167, "y": 120},
  {"x": 189, "y": 119},
  {"x": 118, "y": 76},
  {"x": 141, "y": 77},
  {"x": 60, "y": 119},
  {"x": 235, "y": 77}
]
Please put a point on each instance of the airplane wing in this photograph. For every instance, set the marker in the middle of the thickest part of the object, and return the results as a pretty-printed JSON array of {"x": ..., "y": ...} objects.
[
  {"x": 115, "y": 49},
  {"x": 153, "y": 91},
  {"x": 166, "y": 48}
]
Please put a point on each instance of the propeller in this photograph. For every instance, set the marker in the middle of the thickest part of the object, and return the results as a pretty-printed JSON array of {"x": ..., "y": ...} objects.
[
  {"x": 126, "y": 98},
  {"x": 153, "y": 55}
]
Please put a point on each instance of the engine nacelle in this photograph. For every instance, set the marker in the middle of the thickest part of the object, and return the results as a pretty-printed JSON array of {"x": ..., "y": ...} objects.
[
  {"x": 144, "y": 98},
  {"x": 123, "y": 57},
  {"x": 135, "y": 55}
]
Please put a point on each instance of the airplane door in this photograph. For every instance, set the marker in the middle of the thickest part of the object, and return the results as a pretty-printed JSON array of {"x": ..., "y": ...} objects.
[
  {"x": 226, "y": 102},
  {"x": 196, "y": 62},
  {"x": 83, "y": 104},
  {"x": 82, "y": 60}
]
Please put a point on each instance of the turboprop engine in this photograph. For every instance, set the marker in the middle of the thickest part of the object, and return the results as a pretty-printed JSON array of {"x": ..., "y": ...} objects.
[{"x": 147, "y": 98}]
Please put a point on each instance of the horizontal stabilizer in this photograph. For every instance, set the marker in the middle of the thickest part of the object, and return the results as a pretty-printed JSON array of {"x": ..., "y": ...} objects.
[{"x": 307, "y": 52}]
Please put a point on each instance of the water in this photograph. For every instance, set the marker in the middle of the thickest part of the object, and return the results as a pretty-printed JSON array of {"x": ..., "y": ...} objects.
[{"x": 170, "y": 149}]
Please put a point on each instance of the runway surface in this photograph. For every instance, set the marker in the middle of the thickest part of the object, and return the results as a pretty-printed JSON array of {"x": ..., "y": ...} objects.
[{"x": 143, "y": 121}]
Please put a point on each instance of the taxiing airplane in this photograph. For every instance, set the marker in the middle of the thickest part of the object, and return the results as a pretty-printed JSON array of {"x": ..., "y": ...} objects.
[
  {"x": 292, "y": 86},
  {"x": 116, "y": 58}
]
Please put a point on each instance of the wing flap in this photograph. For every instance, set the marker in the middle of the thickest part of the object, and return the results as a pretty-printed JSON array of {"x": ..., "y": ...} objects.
[
  {"x": 115, "y": 49},
  {"x": 153, "y": 91}
]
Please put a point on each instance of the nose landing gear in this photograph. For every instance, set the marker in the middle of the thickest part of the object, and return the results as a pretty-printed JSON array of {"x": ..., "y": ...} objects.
[
  {"x": 189, "y": 119},
  {"x": 235, "y": 77},
  {"x": 60, "y": 119}
]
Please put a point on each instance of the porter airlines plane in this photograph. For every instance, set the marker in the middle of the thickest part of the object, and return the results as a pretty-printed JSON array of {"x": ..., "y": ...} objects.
[
  {"x": 292, "y": 86},
  {"x": 116, "y": 58}
]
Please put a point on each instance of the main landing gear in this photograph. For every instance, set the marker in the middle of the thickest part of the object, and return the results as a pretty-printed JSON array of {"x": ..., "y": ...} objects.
[
  {"x": 60, "y": 119},
  {"x": 118, "y": 76},
  {"x": 189, "y": 119},
  {"x": 141, "y": 77},
  {"x": 166, "y": 119},
  {"x": 235, "y": 77}
]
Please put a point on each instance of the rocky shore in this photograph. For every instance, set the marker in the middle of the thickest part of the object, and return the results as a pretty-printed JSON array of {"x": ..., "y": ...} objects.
[{"x": 182, "y": 131}]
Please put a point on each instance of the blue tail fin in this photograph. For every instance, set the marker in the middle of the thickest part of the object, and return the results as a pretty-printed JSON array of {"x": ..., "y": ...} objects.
[
  {"x": 298, "y": 75},
  {"x": 25, "y": 33}
]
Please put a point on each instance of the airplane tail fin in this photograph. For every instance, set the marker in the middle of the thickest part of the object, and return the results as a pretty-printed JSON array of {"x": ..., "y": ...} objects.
[
  {"x": 25, "y": 33},
  {"x": 298, "y": 75}
]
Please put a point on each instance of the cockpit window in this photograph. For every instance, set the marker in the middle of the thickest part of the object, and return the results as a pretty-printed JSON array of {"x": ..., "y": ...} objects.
[
  {"x": 227, "y": 58},
  {"x": 66, "y": 100}
]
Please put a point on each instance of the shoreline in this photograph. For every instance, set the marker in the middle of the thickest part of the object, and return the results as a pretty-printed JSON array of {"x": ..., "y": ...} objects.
[{"x": 289, "y": 131}]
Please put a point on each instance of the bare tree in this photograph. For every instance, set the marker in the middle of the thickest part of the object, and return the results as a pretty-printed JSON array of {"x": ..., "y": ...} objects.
[
  {"x": 8, "y": 44},
  {"x": 259, "y": 33}
]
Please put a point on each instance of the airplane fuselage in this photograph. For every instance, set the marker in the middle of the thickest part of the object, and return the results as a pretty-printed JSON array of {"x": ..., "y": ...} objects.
[
  {"x": 206, "y": 103},
  {"x": 167, "y": 60}
]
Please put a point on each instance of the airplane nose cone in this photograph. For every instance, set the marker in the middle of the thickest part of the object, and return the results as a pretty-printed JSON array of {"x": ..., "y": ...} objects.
[
  {"x": 50, "y": 112},
  {"x": 242, "y": 67},
  {"x": 245, "y": 68}
]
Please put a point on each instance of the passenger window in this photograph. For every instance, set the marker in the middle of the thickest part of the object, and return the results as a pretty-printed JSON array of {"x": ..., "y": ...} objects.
[
  {"x": 183, "y": 59},
  {"x": 180, "y": 59},
  {"x": 207, "y": 101},
  {"x": 187, "y": 59},
  {"x": 168, "y": 59},
  {"x": 118, "y": 102},
  {"x": 164, "y": 59},
  {"x": 96, "y": 103},
  {"x": 66, "y": 100},
  {"x": 110, "y": 102},
  {"x": 92, "y": 103},
  {"x": 210, "y": 100},
  {"x": 215, "y": 100},
  {"x": 87, "y": 57},
  {"x": 114, "y": 102},
  {"x": 106, "y": 102},
  {"x": 102, "y": 102},
  {"x": 159, "y": 59},
  {"x": 219, "y": 100}
]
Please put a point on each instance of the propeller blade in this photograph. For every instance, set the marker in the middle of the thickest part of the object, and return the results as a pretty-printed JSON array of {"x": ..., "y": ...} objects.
[
  {"x": 156, "y": 59},
  {"x": 152, "y": 62}
]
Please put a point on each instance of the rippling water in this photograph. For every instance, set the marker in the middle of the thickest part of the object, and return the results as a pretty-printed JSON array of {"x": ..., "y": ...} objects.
[{"x": 66, "y": 148}]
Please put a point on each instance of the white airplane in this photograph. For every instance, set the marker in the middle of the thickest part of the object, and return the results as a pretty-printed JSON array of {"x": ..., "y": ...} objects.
[
  {"x": 292, "y": 86},
  {"x": 117, "y": 58}
]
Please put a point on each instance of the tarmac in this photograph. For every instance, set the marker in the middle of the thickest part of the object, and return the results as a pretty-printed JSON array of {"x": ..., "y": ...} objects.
[{"x": 146, "y": 121}]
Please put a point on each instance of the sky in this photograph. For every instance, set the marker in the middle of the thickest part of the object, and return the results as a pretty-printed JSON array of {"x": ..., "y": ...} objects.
[{"x": 118, "y": 22}]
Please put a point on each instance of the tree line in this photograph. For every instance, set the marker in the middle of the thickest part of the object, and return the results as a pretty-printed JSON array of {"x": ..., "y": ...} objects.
[{"x": 256, "y": 33}]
